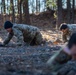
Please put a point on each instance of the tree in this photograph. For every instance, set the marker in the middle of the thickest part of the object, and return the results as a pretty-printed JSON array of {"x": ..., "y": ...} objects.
[
  {"x": 26, "y": 12},
  {"x": 20, "y": 10},
  {"x": 59, "y": 13},
  {"x": 73, "y": 7},
  {"x": 4, "y": 10},
  {"x": 12, "y": 11},
  {"x": 68, "y": 11},
  {"x": 4, "y": 7},
  {"x": 37, "y": 6},
  {"x": 32, "y": 6}
]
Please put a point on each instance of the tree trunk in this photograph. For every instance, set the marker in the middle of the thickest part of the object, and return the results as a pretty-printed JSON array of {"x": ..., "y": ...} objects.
[
  {"x": 26, "y": 12},
  {"x": 7, "y": 6},
  {"x": 59, "y": 13},
  {"x": 73, "y": 7},
  {"x": 20, "y": 11},
  {"x": 32, "y": 7},
  {"x": 37, "y": 6},
  {"x": 12, "y": 11},
  {"x": 68, "y": 11},
  {"x": 4, "y": 10},
  {"x": 4, "y": 7},
  {"x": 18, "y": 6}
]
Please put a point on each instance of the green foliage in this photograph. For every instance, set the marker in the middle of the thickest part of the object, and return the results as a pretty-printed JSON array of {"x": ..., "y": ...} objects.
[
  {"x": 52, "y": 4},
  {"x": 10, "y": 8}
]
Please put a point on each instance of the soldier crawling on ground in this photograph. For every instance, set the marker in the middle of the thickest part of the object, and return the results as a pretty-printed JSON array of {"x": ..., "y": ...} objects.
[
  {"x": 68, "y": 30},
  {"x": 70, "y": 67},
  {"x": 29, "y": 34},
  {"x": 64, "y": 62}
]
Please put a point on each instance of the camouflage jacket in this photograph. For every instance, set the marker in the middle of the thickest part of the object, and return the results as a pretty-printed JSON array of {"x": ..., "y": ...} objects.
[
  {"x": 72, "y": 28},
  {"x": 19, "y": 30}
]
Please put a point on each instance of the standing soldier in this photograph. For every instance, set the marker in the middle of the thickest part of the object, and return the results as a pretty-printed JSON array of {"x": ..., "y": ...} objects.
[
  {"x": 68, "y": 30},
  {"x": 29, "y": 34}
]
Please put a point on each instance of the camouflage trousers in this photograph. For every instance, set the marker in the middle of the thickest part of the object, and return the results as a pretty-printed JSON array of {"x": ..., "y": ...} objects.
[
  {"x": 34, "y": 39},
  {"x": 58, "y": 60}
]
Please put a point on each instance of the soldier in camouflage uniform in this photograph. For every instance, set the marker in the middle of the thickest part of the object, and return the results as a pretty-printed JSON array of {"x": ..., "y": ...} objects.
[
  {"x": 57, "y": 63},
  {"x": 68, "y": 30},
  {"x": 29, "y": 34},
  {"x": 70, "y": 67}
]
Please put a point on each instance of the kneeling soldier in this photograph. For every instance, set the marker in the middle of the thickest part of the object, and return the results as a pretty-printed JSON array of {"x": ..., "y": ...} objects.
[
  {"x": 68, "y": 30},
  {"x": 24, "y": 33}
]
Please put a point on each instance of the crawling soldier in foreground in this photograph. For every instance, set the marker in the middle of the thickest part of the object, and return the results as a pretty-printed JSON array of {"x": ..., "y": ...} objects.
[
  {"x": 70, "y": 67},
  {"x": 29, "y": 34},
  {"x": 64, "y": 61}
]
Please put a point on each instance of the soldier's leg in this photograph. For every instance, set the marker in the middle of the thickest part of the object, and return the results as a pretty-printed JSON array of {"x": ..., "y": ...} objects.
[
  {"x": 38, "y": 38},
  {"x": 29, "y": 40},
  {"x": 33, "y": 42}
]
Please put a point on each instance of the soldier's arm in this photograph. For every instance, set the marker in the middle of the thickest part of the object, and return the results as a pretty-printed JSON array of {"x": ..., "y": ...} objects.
[
  {"x": 63, "y": 57},
  {"x": 9, "y": 37},
  {"x": 19, "y": 36},
  {"x": 58, "y": 59}
]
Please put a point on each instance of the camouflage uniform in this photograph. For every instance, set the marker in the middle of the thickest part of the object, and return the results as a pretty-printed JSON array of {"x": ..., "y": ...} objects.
[
  {"x": 68, "y": 69},
  {"x": 58, "y": 60},
  {"x": 72, "y": 29},
  {"x": 25, "y": 33}
]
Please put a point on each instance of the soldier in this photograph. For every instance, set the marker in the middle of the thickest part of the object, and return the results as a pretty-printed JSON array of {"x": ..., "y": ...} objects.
[
  {"x": 68, "y": 30},
  {"x": 70, "y": 67},
  {"x": 29, "y": 34},
  {"x": 57, "y": 62}
]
